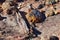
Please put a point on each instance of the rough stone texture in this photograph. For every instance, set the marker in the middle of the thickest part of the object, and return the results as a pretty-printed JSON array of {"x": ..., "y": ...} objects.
[
  {"x": 14, "y": 27},
  {"x": 50, "y": 27}
]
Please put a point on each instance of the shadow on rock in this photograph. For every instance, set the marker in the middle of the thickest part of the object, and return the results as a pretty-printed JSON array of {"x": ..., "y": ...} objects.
[
  {"x": 35, "y": 31},
  {"x": 54, "y": 38}
]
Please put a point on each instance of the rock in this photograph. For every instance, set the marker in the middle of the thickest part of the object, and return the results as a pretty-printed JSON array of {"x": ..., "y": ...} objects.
[
  {"x": 40, "y": 6},
  {"x": 51, "y": 1},
  {"x": 1, "y": 18},
  {"x": 1, "y": 10},
  {"x": 2, "y": 1},
  {"x": 2, "y": 38},
  {"x": 5, "y": 6},
  {"x": 54, "y": 38},
  {"x": 57, "y": 8},
  {"x": 9, "y": 0},
  {"x": 35, "y": 16},
  {"x": 36, "y": 0},
  {"x": 35, "y": 5},
  {"x": 49, "y": 11},
  {"x": 14, "y": 26}
]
